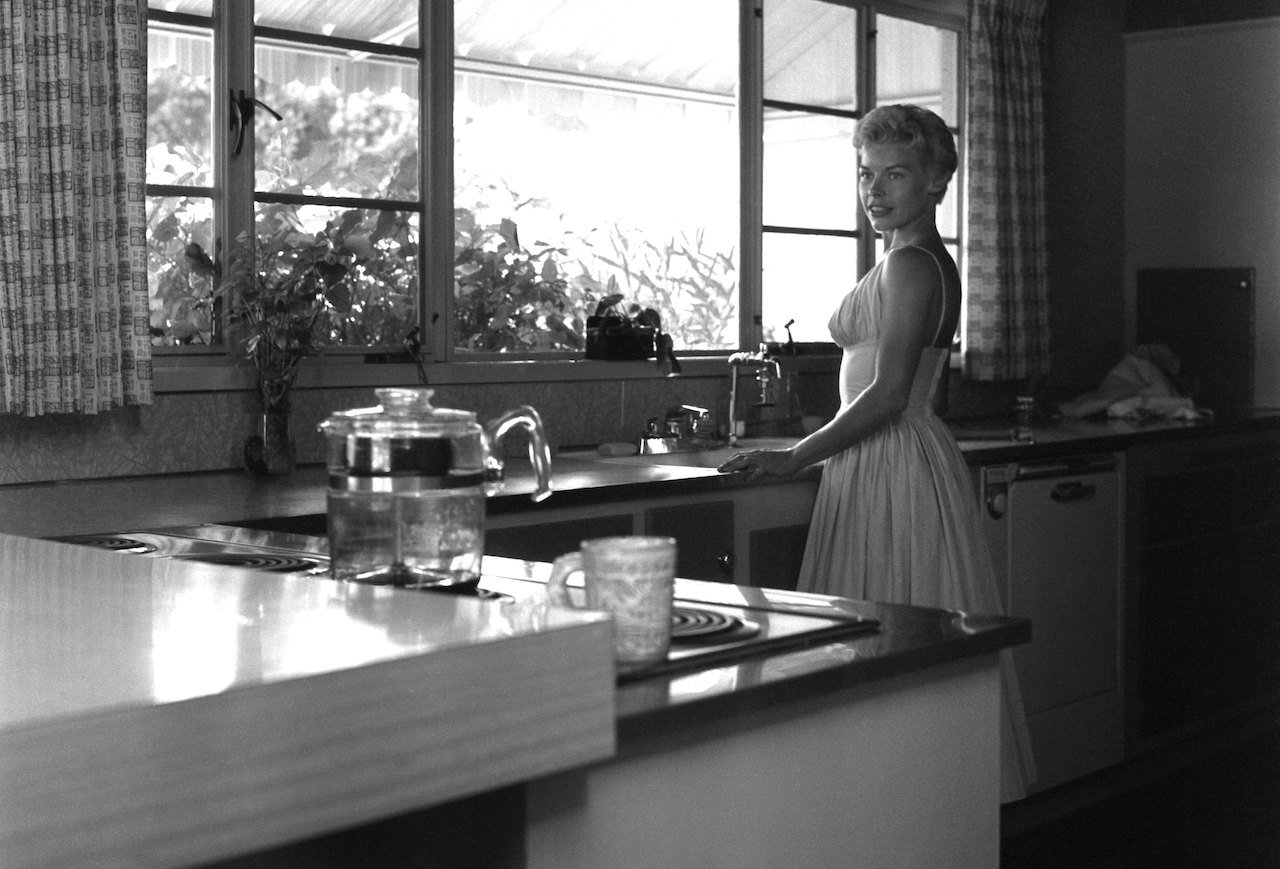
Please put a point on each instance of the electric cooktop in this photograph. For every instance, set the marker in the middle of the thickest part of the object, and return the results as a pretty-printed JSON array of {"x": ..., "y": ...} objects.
[{"x": 712, "y": 623}]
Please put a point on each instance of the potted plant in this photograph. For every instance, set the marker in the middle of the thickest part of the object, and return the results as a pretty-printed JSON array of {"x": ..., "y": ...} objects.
[{"x": 277, "y": 289}]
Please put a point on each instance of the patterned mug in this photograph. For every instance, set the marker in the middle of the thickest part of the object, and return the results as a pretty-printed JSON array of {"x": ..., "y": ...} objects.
[{"x": 633, "y": 579}]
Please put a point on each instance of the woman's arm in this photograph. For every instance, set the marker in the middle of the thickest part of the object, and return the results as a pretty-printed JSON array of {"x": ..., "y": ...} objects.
[{"x": 911, "y": 292}]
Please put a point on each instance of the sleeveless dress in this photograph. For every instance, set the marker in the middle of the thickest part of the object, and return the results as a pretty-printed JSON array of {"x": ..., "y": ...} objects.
[{"x": 896, "y": 517}]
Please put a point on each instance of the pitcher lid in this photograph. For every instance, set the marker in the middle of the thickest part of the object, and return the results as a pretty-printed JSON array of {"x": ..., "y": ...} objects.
[{"x": 404, "y": 412}]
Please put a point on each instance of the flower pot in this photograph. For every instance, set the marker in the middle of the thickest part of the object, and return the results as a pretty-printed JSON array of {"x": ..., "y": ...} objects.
[{"x": 270, "y": 451}]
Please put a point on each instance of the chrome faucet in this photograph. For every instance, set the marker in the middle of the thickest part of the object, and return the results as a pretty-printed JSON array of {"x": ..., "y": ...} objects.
[
  {"x": 682, "y": 429},
  {"x": 767, "y": 372}
]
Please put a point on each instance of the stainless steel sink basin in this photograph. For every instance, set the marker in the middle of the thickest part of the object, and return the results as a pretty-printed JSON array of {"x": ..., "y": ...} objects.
[
  {"x": 708, "y": 458},
  {"x": 715, "y": 457}
]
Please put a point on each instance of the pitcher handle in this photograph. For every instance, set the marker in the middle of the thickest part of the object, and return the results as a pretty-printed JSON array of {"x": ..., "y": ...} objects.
[
  {"x": 539, "y": 452},
  {"x": 561, "y": 569}
]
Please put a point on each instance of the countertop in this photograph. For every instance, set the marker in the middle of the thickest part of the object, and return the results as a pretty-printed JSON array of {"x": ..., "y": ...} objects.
[
  {"x": 161, "y": 713},
  {"x": 116, "y": 504},
  {"x": 986, "y": 440},
  {"x": 908, "y": 638}
]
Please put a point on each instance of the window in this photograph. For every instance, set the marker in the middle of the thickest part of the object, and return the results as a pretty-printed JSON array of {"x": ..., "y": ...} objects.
[
  {"x": 607, "y": 134},
  {"x": 824, "y": 63},
  {"x": 180, "y": 179},
  {"x": 321, "y": 140},
  {"x": 659, "y": 154}
]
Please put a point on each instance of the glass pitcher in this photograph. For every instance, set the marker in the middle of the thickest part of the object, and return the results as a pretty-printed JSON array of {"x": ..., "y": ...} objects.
[{"x": 407, "y": 485}]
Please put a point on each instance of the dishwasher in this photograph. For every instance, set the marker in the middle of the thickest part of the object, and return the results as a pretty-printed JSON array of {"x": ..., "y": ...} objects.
[{"x": 1055, "y": 528}]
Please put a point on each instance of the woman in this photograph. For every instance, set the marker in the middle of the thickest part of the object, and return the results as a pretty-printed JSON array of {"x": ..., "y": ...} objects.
[{"x": 896, "y": 517}]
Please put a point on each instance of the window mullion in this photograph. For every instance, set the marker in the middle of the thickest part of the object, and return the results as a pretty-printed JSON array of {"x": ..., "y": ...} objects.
[
  {"x": 436, "y": 154},
  {"x": 233, "y": 73},
  {"x": 866, "y": 102},
  {"x": 751, "y": 125}
]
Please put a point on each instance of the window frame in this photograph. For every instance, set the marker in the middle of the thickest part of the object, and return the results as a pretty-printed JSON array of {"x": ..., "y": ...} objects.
[
  {"x": 948, "y": 15},
  {"x": 214, "y": 367}
]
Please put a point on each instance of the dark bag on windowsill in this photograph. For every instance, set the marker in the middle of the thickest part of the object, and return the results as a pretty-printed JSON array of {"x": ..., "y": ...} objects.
[{"x": 616, "y": 338}]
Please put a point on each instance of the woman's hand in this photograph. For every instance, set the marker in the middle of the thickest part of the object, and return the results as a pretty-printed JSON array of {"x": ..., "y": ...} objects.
[{"x": 760, "y": 463}]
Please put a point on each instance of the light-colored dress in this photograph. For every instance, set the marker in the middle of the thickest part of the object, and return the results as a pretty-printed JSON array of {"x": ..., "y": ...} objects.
[{"x": 896, "y": 517}]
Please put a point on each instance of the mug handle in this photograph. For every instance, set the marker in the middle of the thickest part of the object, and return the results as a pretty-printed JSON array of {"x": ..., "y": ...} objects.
[{"x": 561, "y": 569}]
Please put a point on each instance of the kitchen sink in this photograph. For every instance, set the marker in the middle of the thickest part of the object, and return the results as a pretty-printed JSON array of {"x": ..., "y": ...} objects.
[
  {"x": 716, "y": 456},
  {"x": 703, "y": 458}
]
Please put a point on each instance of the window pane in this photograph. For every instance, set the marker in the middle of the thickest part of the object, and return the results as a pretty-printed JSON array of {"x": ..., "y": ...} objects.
[
  {"x": 179, "y": 110},
  {"x": 605, "y": 160},
  {"x": 377, "y": 301},
  {"x": 349, "y": 128},
  {"x": 916, "y": 63},
  {"x": 181, "y": 286},
  {"x": 810, "y": 171},
  {"x": 671, "y": 43},
  {"x": 947, "y": 211},
  {"x": 387, "y": 22},
  {"x": 804, "y": 279},
  {"x": 810, "y": 53}
]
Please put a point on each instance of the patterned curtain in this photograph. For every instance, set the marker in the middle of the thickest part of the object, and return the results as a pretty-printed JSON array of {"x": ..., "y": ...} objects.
[
  {"x": 1007, "y": 333},
  {"x": 73, "y": 251}
]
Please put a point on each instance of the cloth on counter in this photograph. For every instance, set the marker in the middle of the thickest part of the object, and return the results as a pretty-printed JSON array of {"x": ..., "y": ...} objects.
[
  {"x": 1156, "y": 407},
  {"x": 896, "y": 518},
  {"x": 1139, "y": 387}
]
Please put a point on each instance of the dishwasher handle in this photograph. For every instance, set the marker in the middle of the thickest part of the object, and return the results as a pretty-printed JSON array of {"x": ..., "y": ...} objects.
[{"x": 1074, "y": 490}]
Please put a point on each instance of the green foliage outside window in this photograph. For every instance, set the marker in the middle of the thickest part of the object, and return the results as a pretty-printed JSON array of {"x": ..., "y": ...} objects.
[{"x": 508, "y": 298}]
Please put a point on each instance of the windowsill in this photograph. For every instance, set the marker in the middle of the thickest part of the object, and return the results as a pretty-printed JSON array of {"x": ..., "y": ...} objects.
[{"x": 219, "y": 374}]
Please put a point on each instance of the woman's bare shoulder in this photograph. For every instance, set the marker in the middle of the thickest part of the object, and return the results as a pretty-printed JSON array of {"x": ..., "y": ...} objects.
[{"x": 911, "y": 266}]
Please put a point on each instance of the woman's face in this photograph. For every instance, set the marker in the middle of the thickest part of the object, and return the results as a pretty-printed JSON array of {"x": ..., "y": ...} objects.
[{"x": 896, "y": 190}]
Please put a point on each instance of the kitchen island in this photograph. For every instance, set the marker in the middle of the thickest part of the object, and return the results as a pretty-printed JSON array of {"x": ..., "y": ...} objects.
[
  {"x": 172, "y": 713},
  {"x": 163, "y": 712}
]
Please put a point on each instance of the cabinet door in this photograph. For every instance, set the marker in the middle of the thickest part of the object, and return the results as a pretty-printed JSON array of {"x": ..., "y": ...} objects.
[
  {"x": 544, "y": 541},
  {"x": 704, "y": 535},
  {"x": 772, "y": 527},
  {"x": 776, "y": 554},
  {"x": 1203, "y": 584}
]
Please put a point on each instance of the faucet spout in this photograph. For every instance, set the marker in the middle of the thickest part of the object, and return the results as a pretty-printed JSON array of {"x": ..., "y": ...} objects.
[{"x": 765, "y": 367}]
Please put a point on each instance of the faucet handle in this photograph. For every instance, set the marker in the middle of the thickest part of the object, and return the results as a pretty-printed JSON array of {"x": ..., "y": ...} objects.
[{"x": 687, "y": 420}]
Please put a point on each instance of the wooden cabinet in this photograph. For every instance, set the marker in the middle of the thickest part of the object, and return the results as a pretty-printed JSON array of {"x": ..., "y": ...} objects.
[
  {"x": 704, "y": 537},
  {"x": 1203, "y": 583},
  {"x": 750, "y": 535}
]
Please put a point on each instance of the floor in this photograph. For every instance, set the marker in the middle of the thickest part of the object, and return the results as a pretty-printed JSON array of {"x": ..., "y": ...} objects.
[{"x": 1222, "y": 809}]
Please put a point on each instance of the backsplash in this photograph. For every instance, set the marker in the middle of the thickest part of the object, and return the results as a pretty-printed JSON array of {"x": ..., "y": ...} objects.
[
  {"x": 205, "y": 431},
  {"x": 194, "y": 432}
]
